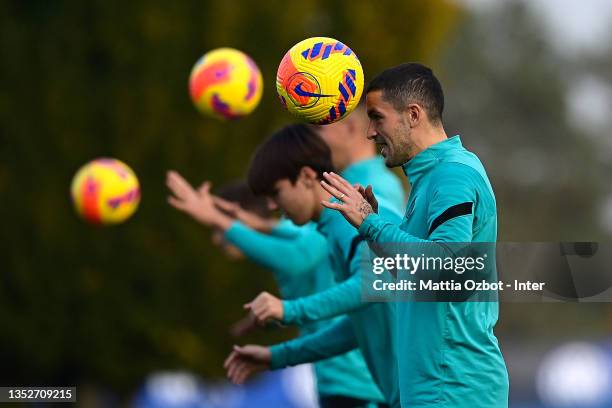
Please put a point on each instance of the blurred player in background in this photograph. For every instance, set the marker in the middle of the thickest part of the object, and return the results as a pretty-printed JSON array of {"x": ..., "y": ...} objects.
[
  {"x": 303, "y": 268},
  {"x": 287, "y": 168},
  {"x": 297, "y": 256},
  {"x": 359, "y": 163},
  {"x": 263, "y": 238}
]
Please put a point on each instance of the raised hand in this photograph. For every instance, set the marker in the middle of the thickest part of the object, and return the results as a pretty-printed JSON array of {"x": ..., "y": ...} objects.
[
  {"x": 245, "y": 361},
  {"x": 356, "y": 203},
  {"x": 265, "y": 307},
  {"x": 198, "y": 204}
]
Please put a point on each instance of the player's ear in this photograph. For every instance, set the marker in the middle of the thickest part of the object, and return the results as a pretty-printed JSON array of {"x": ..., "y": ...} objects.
[
  {"x": 414, "y": 114},
  {"x": 271, "y": 204},
  {"x": 308, "y": 176}
]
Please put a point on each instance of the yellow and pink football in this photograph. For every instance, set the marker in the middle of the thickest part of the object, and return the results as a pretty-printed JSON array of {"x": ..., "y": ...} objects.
[
  {"x": 225, "y": 84},
  {"x": 105, "y": 191},
  {"x": 320, "y": 80}
]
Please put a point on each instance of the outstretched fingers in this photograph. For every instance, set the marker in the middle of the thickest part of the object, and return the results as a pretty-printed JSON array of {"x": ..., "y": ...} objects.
[
  {"x": 243, "y": 371},
  {"x": 177, "y": 184},
  {"x": 230, "y": 359},
  {"x": 339, "y": 182},
  {"x": 235, "y": 370},
  {"x": 333, "y": 190},
  {"x": 204, "y": 188},
  {"x": 334, "y": 181},
  {"x": 176, "y": 203}
]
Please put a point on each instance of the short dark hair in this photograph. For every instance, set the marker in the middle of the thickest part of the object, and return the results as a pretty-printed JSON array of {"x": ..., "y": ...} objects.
[
  {"x": 240, "y": 193},
  {"x": 283, "y": 155},
  {"x": 411, "y": 83}
]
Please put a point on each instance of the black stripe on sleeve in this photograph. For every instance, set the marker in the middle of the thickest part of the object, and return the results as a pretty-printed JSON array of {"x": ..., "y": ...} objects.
[
  {"x": 450, "y": 213},
  {"x": 354, "y": 244}
]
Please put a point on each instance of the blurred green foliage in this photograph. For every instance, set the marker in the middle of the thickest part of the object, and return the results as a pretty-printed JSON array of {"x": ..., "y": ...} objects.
[
  {"x": 506, "y": 92},
  {"x": 82, "y": 80}
]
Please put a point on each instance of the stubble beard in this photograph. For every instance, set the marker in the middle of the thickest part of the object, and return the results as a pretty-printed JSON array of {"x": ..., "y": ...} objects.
[{"x": 403, "y": 148}]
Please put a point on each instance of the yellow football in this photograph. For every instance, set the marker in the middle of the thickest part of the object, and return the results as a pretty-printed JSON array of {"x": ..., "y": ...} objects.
[
  {"x": 226, "y": 84},
  {"x": 105, "y": 191}
]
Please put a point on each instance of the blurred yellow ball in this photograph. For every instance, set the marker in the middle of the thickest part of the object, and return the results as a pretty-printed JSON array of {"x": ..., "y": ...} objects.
[
  {"x": 105, "y": 191},
  {"x": 225, "y": 84}
]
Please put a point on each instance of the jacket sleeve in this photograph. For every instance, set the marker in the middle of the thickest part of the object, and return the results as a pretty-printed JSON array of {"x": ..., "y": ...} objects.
[
  {"x": 342, "y": 298},
  {"x": 301, "y": 251},
  {"x": 451, "y": 201},
  {"x": 335, "y": 339}
]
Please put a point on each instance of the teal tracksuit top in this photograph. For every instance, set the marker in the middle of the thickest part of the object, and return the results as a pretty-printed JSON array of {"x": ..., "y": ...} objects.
[
  {"x": 448, "y": 356},
  {"x": 369, "y": 326},
  {"x": 390, "y": 195},
  {"x": 303, "y": 269}
]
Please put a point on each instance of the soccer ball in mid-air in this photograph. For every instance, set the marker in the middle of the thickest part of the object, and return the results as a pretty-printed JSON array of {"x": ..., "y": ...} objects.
[
  {"x": 320, "y": 80},
  {"x": 226, "y": 84},
  {"x": 105, "y": 191}
]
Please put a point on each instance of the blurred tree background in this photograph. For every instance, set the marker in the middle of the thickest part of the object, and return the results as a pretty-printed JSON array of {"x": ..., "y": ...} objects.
[{"x": 81, "y": 80}]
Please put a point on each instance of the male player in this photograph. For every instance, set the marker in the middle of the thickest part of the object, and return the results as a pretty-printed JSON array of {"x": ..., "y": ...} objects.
[
  {"x": 447, "y": 353},
  {"x": 297, "y": 257},
  {"x": 287, "y": 168}
]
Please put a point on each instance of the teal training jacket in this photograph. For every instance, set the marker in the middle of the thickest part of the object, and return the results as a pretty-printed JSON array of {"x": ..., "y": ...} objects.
[{"x": 448, "y": 356}]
